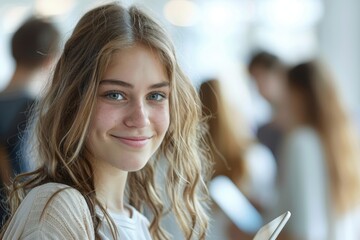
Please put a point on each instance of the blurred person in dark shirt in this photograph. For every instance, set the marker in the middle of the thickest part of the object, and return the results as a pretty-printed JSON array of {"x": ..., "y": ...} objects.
[
  {"x": 268, "y": 72},
  {"x": 33, "y": 47}
]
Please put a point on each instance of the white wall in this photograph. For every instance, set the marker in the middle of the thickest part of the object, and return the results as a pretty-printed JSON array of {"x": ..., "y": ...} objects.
[{"x": 339, "y": 43}]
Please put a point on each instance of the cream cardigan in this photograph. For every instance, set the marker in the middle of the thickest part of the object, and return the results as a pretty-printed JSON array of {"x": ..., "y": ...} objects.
[{"x": 66, "y": 216}]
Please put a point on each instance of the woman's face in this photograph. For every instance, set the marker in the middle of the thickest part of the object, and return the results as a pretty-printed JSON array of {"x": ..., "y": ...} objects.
[{"x": 132, "y": 112}]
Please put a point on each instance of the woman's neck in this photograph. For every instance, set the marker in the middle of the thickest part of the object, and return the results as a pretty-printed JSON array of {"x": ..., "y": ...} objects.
[{"x": 110, "y": 188}]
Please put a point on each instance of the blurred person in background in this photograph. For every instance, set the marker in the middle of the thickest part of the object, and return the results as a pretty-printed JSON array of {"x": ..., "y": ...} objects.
[
  {"x": 320, "y": 182},
  {"x": 268, "y": 72},
  {"x": 33, "y": 47},
  {"x": 237, "y": 155}
]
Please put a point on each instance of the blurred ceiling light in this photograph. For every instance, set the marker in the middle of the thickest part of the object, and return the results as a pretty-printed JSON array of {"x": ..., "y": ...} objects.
[
  {"x": 220, "y": 13},
  {"x": 13, "y": 17},
  {"x": 182, "y": 13},
  {"x": 53, "y": 7}
]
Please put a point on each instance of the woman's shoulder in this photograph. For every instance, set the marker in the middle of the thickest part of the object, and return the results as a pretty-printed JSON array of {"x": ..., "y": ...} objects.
[
  {"x": 53, "y": 195},
  {"x": 303, "y": 139},
  {"x": 51, "y": 208},
  {"x": 55, "y": 199},
  {"x": 260, "y": 158},
  {"x": 305, "y": 147},
  {"x": 304, "y": 134},
  {"x": 259, "y": 150},
  {"x": 54, "y": 190},
  {"x": 52, "y": 198}
]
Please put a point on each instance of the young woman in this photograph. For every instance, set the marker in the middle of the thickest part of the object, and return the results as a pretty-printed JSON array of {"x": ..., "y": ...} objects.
[
  {"x": 236, "y": 154},
  {"x": 320, "y": 182},
  {"x": 250, "y": 165},
  {"x": 116, "y": 103}
]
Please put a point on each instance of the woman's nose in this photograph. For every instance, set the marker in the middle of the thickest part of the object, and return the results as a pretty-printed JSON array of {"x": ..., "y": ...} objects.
[{"x": 137, "y": 116}]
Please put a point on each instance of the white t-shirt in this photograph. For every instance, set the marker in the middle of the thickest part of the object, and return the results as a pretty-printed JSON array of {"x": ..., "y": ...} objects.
[{"x": 135, "y": 227}]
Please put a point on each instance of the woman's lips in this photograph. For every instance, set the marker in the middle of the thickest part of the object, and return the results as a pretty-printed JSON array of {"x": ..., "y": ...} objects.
[{"x": 135, "y": 142}]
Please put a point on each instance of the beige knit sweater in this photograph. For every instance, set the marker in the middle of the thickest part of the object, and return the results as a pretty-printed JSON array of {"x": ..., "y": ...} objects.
[{"x": 65, "y": 217}]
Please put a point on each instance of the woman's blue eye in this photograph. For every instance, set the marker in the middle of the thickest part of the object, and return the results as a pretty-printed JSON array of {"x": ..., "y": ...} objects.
[
  {"x": 115, "y": 96},
  {"x": 156, "y": 97}
]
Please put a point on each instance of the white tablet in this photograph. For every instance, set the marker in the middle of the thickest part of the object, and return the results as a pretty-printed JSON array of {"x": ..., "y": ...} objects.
[
  {"x": 241, "y": 212},
  {"x": 271, "y": 230}
]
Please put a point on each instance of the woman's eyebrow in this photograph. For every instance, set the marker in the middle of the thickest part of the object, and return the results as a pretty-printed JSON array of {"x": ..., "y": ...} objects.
[
  {"x": 128, "y": 85},
  {"x": 159, "y": 85},
  {"x": 116, "y": 82}
]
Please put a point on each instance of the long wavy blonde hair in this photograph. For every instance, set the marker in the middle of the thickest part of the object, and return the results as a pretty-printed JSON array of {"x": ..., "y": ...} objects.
[
  {"x": 62, "y": 117},
  {"x": 327, "y": 115},
  {"x": 227, "y": 146}
]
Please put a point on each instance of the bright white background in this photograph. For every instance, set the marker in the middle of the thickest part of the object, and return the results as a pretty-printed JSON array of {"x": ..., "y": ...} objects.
[{"x": 220, "y": 35}]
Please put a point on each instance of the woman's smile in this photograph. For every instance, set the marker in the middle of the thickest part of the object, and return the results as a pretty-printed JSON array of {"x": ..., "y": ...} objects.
[{"x": 134, "y": 141}]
